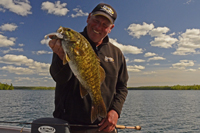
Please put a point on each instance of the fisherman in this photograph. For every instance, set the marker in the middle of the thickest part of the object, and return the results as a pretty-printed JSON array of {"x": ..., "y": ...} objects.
[{"x": 69, "y": 105}]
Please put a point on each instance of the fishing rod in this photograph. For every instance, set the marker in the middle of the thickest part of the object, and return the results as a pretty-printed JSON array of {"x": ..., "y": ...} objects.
[
  {"x": 128, "y": 127},
  {"x": 77, "y": 125}
]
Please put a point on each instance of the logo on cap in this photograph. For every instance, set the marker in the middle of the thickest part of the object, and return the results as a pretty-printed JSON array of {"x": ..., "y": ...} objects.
[{"x": 108, "y": 10}]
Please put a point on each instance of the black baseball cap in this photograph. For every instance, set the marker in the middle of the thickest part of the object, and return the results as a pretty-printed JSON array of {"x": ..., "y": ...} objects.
[{"x": 106, "y": 11}]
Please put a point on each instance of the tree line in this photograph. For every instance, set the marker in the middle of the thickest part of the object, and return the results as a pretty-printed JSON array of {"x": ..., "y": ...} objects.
[
  {"x": 6, "y": 87},
  {"x": 33, "y": 88},
  {"x": 175, "y": 87},
  {"x": 11, "y": 87},
  {"x": 188, "y": 87}
]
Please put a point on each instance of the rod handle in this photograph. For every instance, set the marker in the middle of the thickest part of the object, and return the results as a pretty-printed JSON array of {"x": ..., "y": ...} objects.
[
  {"x": 120, "y": 126},
  {"x": 128, "y": 127}
]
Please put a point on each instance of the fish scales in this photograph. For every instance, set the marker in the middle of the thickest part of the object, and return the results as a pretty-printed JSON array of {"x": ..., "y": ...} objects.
[
  {"x": 89, "y": 61},
  {"x": 85, "y": 65}
]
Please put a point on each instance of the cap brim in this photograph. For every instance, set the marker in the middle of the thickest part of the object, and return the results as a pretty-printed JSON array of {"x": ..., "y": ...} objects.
[{"x": 103, "y": 14}]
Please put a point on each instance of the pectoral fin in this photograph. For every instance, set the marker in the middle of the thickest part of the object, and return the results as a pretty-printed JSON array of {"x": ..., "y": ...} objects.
[
  {"x": 102, "y": 74},
  {"x": 66, "y": 59}
]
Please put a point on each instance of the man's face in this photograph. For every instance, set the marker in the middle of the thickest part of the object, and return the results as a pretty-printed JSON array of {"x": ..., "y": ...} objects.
[{"x": 98, "y": 28}]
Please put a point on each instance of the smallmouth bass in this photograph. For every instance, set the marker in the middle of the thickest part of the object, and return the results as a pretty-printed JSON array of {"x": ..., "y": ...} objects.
[{"x": 85, "y": 65}]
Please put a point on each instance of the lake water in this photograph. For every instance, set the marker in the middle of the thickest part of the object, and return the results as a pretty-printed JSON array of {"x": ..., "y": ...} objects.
[{"x": 154, "y": 110}]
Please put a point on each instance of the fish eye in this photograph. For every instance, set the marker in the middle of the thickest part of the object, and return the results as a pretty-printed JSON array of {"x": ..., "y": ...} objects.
[{"x": 68, "y": 29}]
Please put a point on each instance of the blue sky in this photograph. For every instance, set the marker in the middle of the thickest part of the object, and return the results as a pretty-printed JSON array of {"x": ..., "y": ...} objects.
[{"x": 159, "y": 38}]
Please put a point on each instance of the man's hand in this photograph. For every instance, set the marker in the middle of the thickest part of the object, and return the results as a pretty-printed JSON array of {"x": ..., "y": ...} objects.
[
  {"x": 108, "y": 124},
  {"x": 55, "y": 45}
]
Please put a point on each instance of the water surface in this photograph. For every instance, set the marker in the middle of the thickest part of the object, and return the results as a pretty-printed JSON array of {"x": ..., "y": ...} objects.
[{"x": 154, "y": 110}]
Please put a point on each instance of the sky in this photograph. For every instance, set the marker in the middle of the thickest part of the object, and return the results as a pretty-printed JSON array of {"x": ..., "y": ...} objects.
[{"x": 160, "y": 39}]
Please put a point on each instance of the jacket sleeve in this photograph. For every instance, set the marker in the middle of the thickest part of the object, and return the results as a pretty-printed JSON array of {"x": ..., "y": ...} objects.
[
  {"x": 59, "y": 72},
  {"x": 121, "y": 89}
]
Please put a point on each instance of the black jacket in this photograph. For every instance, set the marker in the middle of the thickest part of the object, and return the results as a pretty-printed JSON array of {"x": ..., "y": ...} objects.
[{"x": 68, "y": 103}]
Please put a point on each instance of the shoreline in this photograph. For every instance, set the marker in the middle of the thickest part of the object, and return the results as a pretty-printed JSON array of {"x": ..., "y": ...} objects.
[{"x": 175, "y": 87}]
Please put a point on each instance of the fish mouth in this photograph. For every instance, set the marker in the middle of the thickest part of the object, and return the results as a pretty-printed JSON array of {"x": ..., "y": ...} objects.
[{"x": 54, "y": 35}]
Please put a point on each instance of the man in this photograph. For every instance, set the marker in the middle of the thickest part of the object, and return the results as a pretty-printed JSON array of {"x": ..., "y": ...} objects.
[{"x": 68, "y": 103}]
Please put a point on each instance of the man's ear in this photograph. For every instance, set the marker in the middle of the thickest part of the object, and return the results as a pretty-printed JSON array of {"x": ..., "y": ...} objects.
[
  {"x": 89, "y": 17},
  {"x": 111, "y": 28}
]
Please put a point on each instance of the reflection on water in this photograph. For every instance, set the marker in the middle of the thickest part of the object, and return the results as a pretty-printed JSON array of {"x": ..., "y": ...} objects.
[{"x": 153, "y": 110}]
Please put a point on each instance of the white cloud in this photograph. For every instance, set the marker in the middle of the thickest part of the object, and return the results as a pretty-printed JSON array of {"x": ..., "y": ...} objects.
[
  {"x": 21, "y": 45},
  {"x": 79, "y": 13},
  {"x": 149, "y": 73},
  {"x": 4, "y": 80},
  {"x": 191, "y": 70},
  {"x": 127, "y": 59},
  {"x": 56, "y": 9},
  {"x": 184, "y": 51},
  {"x": 21, "y": 79},
  {"x": 183, "y": 64},
  {"x": 163, "y": 41},
  {"x": 161, "y": 38},
  {"x": 156, "y": 58},
  {"x": 5, "y": 42},
  {"x": 15, "y": 59},
  {"x": 137, "y": 30},
  {"x": 148, "y": 54},
  {"x": 20, "y": 7},
  {"x": 8, "y": 27},
  {"x": 3, "y": 75},
  {"x": 42, "y": 52},
  {"x": 158, "y": 31},
  {"x": 45, "y": 41},
  {"x": 2, "y": 10},
  {"x": 17, "y": 70},
  {"x": 36, "y": 81},
  {"x": 188, "y": 1},
  {"x": 126, "y": 49},
  {"x": 12, "y": 49},
  {"x": 138, "y": 60},
  {"x": 188, "y": 42},
  {"x": 156, "y": 64},
  {"x": 28, "y": 64},
  {"x": 135, "y": 68}
]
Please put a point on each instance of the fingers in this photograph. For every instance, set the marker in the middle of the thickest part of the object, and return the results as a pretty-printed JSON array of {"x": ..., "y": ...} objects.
[
  {"x": 109, "y": 128},
  {"x": 55, "y": 45},
  {"x": 106, "y": 126},
  {"x": 102, "y": 125}
]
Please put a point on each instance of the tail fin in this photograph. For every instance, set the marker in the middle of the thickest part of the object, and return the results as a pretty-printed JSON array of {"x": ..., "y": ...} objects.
[{"x": 98, "y": 110}]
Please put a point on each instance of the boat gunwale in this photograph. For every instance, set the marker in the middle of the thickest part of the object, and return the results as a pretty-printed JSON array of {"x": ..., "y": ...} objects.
[{"x": 15, "y": 128}]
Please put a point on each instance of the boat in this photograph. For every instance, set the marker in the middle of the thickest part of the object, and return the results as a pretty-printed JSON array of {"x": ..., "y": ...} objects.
[
  {"x": 53, "y": 125},
  {"x": 41, "y": 125},
  {"x": 14, "y": 129}
]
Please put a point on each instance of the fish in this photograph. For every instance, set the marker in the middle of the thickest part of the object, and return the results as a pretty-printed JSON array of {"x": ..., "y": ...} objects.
[{"x": 85, "y": 65}]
